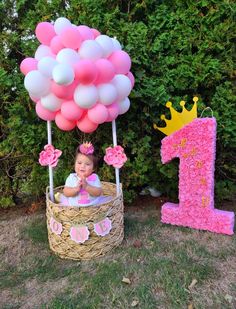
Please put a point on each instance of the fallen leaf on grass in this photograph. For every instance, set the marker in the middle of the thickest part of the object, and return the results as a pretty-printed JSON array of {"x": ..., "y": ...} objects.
[
  {"x": 229, "y": 298},
  {"x": 126, "y": 280},
  {"x": 134, "y": 303},
  {"x": 193, "y": 283},
  {"x": 137, "y": 244},
  {"x": 33, "y": 208},
  {"x": 190, "y": 306}
]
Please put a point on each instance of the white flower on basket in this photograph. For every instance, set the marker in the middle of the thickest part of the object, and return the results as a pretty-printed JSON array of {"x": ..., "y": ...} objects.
[
  {"x": 79, "y": 234},
  {"x": 103, "y": 227},
  {"x": 55, "y": 226}
]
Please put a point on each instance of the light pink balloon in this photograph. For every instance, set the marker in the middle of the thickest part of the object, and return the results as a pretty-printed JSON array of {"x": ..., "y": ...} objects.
[
  {"x": 113, "y": 112},
  {"x": 87, "y": 126},
  {"x": 34, "y": 99},
  {"x": 121, "y": 61},
  {"x": 64, "y": 92},
  {"x": 56, "y": 44},
  {"x": 106, "y": 71},
  {"x": 98, "y": 114},
  {"x": 85, "y": 32},
  {"x": 63, "y": 123},
  {"x": 71, "y": 37},
  {"x": 28, "y": 64},
  {"x": 44, "y": 113},
  {"x": 45, "y": 32},
  {"x": 71, "y": 111},
  {"x": 85, "y": 71},
  {"x": 95, "y": 32},
  {"x": 131, "y": 78}
]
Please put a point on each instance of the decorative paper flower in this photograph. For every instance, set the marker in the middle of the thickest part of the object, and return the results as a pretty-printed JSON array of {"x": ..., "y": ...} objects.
[
  {"x": 79, "y": 234},
  {"x": 115, "y": 156},
  {"x": 103, "y": 227},
  {"x": 86, "y": 148},
  {"x": 49, "y": 156},
  {"x": 56, "y": 227}
]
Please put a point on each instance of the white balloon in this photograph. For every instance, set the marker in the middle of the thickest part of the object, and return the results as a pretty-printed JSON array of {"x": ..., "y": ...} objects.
[
  {"x": 116, "y": 44},
  {"x": 123, "y": 86},
  {"x": 68, "y": 56},
  {"x": 43, "y": 51},
  {"x": 106, "y": 43},
  {"x": 60, "y": 24},
  {"x": 124, "y": 106},
  {"x": 107, "y": 93},
  {"x": 63, "y": 74},
  {"x": 46, "y": 65},
  {"x": 85, "y": 96},
  {"x": 37, "y": 84},
  {"x": 51, "y": 102},
  {"x": 90, "y": 49}
]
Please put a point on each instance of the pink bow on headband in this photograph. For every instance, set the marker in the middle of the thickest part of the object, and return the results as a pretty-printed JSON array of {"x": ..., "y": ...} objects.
[{"x": 86, "y": 148}]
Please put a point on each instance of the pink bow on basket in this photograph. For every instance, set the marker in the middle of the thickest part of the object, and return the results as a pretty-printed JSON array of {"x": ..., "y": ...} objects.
[
  {"x": 115, "y": 156},
  {"x": 49, "y": 156}
]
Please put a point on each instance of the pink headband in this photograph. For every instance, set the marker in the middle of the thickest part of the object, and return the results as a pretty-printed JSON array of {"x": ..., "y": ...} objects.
[{"x": 86, "y": 148}]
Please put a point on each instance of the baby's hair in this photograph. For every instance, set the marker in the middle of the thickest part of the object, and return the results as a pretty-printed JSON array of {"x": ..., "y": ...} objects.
[{"x": 91, "y": 157}]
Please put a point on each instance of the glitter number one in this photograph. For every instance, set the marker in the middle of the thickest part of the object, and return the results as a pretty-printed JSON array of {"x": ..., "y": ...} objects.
[{"x": 194, "y": 145}]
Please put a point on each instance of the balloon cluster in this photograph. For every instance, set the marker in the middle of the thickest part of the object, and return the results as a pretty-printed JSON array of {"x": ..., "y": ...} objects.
[{"x": 78, "y": 77}]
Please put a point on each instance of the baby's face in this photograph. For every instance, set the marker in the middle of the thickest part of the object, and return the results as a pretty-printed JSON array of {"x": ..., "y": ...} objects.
[{"x": 83, "y": 166}]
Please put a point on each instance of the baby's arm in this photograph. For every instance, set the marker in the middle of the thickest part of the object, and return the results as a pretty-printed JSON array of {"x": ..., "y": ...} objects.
[{"x": 71, "y": 191}]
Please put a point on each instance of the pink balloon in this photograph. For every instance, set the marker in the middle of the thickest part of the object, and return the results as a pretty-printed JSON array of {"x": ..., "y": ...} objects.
[
  {"x": 34, "y": 99},
  {"x": 71, "y": 111},
  {"x": 85, "y": 71},
  {"x": 64, "y": 92},
  {"x": 98, "y": 114},
  {"x": 87, "y": 126},
  {"x": 44, "y": 113},
  {"x": 113, "y": 112},
  {"x": 45, "y": 32},
  {"x": 106, "y": 71},
  {"x": 71, "y": 38},
  {"x": 56, "y": 44},
  {"x": 85, "y": 32},
  {"x": 63, "y": 123},
  {"x": 28, "y": 64},
  {"x": 131, "y": 78},
  {"x": 121, "y": 61},
  {"x": 95, "y": 32}
]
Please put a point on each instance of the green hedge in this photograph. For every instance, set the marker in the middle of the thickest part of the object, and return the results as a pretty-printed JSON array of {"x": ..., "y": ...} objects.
[{"x": 178, "y": 48}]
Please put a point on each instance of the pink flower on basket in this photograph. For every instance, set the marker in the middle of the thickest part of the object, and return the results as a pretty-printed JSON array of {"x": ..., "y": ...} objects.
[
  {"x": 115, "y": 156},
  {"x": 49, "y": 156},
  {"x": 56, "y": 227},
  {"x": 79, "y": 234},
  {"x": 103, "y": 227}
]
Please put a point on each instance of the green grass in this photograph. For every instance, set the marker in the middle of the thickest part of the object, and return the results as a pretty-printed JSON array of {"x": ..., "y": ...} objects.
[{"x": 160, "y": 269}]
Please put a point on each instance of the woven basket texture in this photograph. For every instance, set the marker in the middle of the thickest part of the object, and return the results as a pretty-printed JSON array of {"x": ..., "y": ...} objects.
[{"x": 95, "y": 246}]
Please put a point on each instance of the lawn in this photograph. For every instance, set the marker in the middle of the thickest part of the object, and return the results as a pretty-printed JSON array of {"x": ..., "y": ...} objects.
[{"x": 156, "y": 266}]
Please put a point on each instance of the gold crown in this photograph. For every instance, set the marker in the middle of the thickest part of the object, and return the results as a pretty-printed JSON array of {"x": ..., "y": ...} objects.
[{"x": 178, "y": 120}]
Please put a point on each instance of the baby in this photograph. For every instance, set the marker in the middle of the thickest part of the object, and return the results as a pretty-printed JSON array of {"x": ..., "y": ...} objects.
[{"x": 83, "y": 188}]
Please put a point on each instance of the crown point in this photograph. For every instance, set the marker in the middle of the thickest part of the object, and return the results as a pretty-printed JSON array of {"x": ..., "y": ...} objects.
[
  {"x": 182, "y": 103},
  {"x": 163, "y": 117},
  {"x": 195, "y": 99},
  {"x": 168, "y": 104}
]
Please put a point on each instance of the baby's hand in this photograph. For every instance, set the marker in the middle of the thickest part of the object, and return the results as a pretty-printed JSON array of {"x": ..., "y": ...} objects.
[
  {"x": 84, "y": 183},
  {"x": 79, "y": 185}
]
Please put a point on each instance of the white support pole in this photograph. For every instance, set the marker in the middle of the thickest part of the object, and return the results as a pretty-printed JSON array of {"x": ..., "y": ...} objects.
[
  {"x": 50, "y": 168},
  {"x": 114, "y": 136}
]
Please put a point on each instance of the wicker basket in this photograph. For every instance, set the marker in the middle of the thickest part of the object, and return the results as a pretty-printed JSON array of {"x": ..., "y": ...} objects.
[{"x": 96, "y": 245}]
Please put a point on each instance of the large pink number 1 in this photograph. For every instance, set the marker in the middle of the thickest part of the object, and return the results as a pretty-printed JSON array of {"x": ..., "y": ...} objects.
[{"x": 194, "y": 145}]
